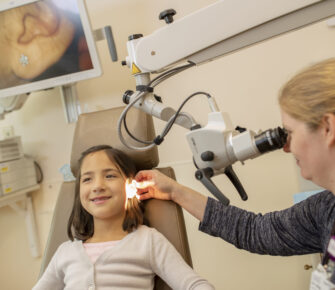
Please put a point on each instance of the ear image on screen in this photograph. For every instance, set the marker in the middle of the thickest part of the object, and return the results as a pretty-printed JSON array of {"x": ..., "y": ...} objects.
[{"x": 44, "y": 44}]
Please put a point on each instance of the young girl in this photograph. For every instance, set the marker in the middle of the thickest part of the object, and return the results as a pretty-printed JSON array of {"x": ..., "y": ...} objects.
[{"x": 110, "y": 248}]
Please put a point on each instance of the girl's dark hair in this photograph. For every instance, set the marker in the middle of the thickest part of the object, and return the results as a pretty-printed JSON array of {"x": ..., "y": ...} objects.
[{"x": 80, "y": 224}]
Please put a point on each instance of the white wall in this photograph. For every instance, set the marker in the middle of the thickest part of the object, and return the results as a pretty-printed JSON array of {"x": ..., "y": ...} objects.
[{"x": 245, "y": 84}]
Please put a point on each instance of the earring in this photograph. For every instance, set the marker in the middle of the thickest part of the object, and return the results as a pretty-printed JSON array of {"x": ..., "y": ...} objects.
[{"x": 24, "y": 60}]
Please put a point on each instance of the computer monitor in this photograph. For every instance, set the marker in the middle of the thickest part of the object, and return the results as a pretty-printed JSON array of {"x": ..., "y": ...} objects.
[{"x": 44, "y": 44}]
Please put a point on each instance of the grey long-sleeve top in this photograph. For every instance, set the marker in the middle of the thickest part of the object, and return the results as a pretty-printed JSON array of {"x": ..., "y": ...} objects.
[{"x": 304, "y": 228}]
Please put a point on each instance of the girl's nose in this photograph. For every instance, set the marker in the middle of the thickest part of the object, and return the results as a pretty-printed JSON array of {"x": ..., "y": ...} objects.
[
  {"x": 98, "y": 186},
  {"x": 98, "y": 189}
]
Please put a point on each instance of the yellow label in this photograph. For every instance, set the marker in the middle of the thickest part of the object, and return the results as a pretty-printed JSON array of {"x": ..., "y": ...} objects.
[
  {"x": 135, "y": 69},
  {"x": 4, "y": 169},
  {"x": 8, "y": 190}
]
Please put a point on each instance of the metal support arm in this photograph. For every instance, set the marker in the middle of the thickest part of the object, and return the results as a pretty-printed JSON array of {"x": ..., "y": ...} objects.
[{"x": 27, "y": 212}]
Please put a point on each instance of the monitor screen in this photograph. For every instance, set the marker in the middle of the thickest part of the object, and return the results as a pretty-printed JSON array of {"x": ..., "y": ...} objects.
[{"x": 44, "y": 44}]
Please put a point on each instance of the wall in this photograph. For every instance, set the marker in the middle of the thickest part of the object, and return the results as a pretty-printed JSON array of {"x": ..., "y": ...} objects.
[{"x": 245, "y": 84}]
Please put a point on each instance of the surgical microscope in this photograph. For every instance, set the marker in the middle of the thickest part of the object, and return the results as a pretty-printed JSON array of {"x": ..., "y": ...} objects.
[{"x": 233, "y": 25}]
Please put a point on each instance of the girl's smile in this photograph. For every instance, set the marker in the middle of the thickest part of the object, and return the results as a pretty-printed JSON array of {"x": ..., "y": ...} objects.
[{"x": 100, "y": 199}]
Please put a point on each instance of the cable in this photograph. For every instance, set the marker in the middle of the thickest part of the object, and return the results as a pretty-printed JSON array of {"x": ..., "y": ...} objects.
[
  {"x": 40, "y": 171},
  {"x": 131, "y": 135},
  {"x": 121, "y": 119},
  {"x": 156, "y": 81},
  {"x": 170, "y": 73},
  {"x": 158, "y": 139},
  {"x": 173, "y": 119}
]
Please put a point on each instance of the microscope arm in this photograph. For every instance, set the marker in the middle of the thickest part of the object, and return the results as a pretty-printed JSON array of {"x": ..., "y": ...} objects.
[{"x": 233, "y": 25}]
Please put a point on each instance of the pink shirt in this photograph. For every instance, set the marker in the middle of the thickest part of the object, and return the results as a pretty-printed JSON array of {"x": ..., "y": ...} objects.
[{"x": 94, "y": 250}]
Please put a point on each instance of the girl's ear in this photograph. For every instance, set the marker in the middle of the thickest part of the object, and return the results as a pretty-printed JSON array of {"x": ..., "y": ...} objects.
[{"x": 328, "y": 123}]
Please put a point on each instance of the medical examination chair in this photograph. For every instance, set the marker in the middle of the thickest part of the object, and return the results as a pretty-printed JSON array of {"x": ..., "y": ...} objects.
[{"x": 101, "y": 128}]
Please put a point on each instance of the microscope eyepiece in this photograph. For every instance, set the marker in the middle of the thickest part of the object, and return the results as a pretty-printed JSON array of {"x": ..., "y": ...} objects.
[{"x": 271, "y": 139}]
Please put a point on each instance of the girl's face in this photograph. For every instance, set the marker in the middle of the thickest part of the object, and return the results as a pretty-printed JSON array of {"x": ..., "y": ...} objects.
[
  {"x": 102, "y": 187},
  {"x": 308, "y": 147}
]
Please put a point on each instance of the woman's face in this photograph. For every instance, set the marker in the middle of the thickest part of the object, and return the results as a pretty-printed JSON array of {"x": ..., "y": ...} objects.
[
  {"x": 102, "y": 187},
  {"x": 308, "y": 147},
  {"x": 32, "y": 38}
]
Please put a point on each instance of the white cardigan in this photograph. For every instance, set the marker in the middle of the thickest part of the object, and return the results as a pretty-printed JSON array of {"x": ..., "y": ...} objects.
[{"x": 131, "y": 264}]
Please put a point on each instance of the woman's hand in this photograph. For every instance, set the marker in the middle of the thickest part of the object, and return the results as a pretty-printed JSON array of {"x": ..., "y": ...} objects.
[{"x": 154, "y": 184}]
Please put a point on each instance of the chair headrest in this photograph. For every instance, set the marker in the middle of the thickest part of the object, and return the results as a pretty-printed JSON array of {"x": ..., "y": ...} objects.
[{"x": 100, "y": 128}]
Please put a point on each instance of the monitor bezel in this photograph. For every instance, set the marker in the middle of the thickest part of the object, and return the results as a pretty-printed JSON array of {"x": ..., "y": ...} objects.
[{"x": 66, "y": 79}]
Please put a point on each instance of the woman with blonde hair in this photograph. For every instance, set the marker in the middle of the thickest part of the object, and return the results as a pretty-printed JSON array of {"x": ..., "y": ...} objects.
[{"x": 307, "y": 104}]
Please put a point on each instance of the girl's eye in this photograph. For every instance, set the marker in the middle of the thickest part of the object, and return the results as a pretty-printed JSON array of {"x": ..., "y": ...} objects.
[
  {"x": 110, "y": 176},
  {"x": 86, "y": 179}
]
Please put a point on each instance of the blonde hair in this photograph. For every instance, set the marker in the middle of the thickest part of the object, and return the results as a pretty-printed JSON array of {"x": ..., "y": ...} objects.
[{"x": 310, "y": 94}]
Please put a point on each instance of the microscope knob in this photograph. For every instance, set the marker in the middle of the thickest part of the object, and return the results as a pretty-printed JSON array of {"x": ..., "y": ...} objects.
[
  {"x": 207, "y": 156},
  {"x": 167, "y": 15},
  {"x": 126, "y": 96},
  {"x": 134, "y": 36}
]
